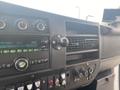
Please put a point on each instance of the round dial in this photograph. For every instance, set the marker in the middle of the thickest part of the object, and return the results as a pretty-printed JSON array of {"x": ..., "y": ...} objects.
[
  {"x": 2, "y": 24},
  {"x": 21, "y": 64},
  {"x": 41, "y": 26},
  {"x": 22, "y": 25},
  {"x": 91, "y": 68},
  {"x": 60, "y": 41}
]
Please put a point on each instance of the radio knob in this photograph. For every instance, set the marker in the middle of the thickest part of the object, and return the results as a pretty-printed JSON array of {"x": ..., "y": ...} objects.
[
  {"x": 2, "y": 24},
  {"x": 77, "y": 73},
  {"x": 90, "y": 70},
  {"x": 22, "y": 25},
  {"x": 41, "y": 26},
  {"x": 60, "y": 41},
  {"x": 64, "y": 41},
  {"x": 85, "y": 73},
  {"x": 21, "y": 64}
]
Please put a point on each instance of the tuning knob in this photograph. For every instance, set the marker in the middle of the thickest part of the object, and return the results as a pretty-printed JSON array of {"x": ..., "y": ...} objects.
[
  {"x": 85, "y": 73},
  {"x": 41, "y": 26},
  {"x": 22, "y": 24},
  {"x": 21, "y": 64},
  {"x": 2, "y": 24},
  {"x": 60, "y": 41}
]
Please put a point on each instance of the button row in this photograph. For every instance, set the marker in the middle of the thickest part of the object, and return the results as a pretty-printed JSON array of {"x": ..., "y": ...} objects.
[
  {"x": 39, "y": 61},
  {"x": 20, "y": 50},
  {"x": 36, "y": 86},
  {"x": 33, "y": 62},
  {"x": 57, "y": 81},
  {"x": 3, "y": 66},
  {"x": 42, "y": 84}
]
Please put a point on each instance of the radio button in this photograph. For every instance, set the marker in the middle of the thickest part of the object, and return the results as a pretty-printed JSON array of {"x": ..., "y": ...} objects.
[
  {"x": 64, "y": 82},
  {"x": 45, "y": 60},
  {"x": 39, "y": 61},
  {"x": 44, "y": 84},
  {"x": 19, "y": 50},
  {"x": 50, "y": 83},
  {"x": 8, "y": 65},
  {"x": 25, "y": 50},
  {"x": 3, "y": 65},
  {"x": 63, "y": 79},
  {"x": 57, "y": 82},
  {"x": 63, "y": 76},
  {"x": 38, "y": 89},
  {"x": 10, "y": 88},
  {"x": 12, "y": 51},
  {"x": 35, "y": 50},
  {"x": 20, "y": 88},
  {"x": 30, "y": 50},
  {"x": 6, "y": 51},
  {"x": 37, "y": 83},
  {"x": 32, "y": 62},
  {"x": 36, "y": 61},
  {"x": 29, "y": 86}
]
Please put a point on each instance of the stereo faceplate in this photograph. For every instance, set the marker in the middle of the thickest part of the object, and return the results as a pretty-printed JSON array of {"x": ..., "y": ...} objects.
[{"x": 31, "y": 53}]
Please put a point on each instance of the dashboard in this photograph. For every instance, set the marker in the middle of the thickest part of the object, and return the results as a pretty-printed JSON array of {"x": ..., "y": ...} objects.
[{"x": 44, "y": 51}]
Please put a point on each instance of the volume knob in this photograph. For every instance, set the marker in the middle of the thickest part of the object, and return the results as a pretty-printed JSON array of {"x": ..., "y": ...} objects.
[
  {"x": 60, "y": 41},
  {"x": 41, "y": 26},
  {"x": 22, "y": 25},
  {"x": 21, "y": 64},
  {"x": 2, "y": 24},
  {"x": 64, "y": 41}
]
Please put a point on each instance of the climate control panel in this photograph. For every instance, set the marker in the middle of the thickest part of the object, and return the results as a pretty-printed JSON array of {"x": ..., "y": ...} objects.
[
  {"x": 80, "y": 75},
  {"x": 73, "y": 77}
]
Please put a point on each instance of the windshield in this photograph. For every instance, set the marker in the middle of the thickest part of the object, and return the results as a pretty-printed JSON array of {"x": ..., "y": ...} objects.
[{"x": 83, "y": 9}]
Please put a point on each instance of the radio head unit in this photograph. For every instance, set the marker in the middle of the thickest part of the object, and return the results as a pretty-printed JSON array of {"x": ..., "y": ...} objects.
[{"x": 24, "y": 53}]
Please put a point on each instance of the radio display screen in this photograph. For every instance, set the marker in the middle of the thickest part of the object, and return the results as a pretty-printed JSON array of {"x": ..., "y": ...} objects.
[
  {"x": 23, "y": 44},
  {"x": 18, "y": 44}
]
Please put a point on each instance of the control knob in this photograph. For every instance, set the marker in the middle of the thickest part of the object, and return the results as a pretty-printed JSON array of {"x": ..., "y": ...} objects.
[
  {"x": 21, "y": 64},
  {"x": 80, "y": 73},
  {"x": 76, "y": 74},
  {"x": 60, "y": 41},
  {"x": 22, "y": 25},
  {"x": 91, "y": 68},
  {"x": 2, "y": 24},
  {"x": 85, "y": 73},
  {"x": 41, "y": 26}
]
